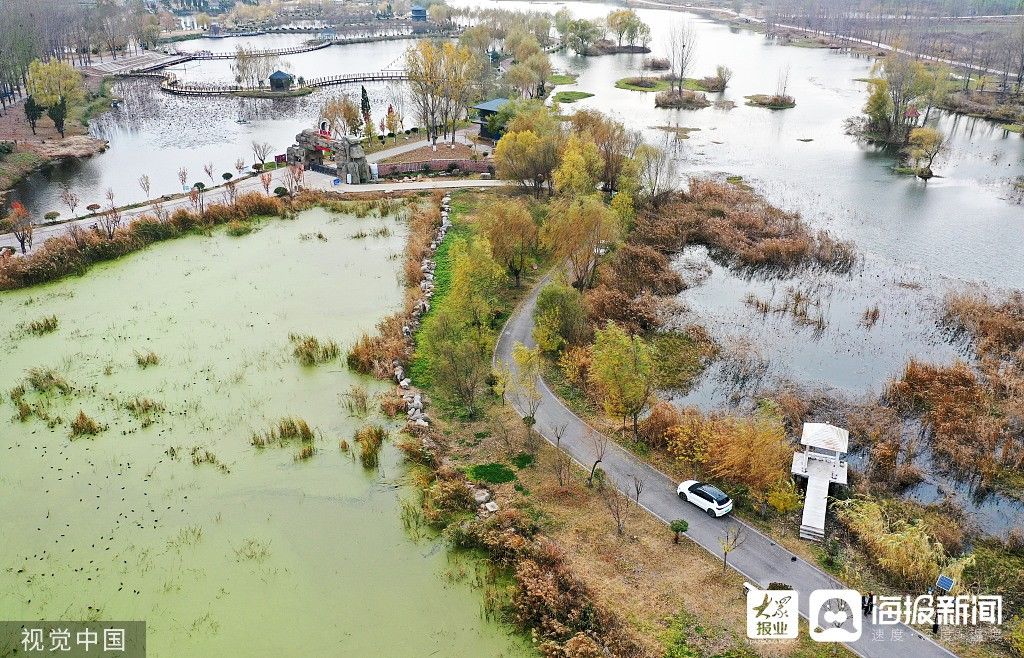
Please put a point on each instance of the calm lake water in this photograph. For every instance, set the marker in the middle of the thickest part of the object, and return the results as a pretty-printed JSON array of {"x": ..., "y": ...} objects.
[{"x": 274, "y": 557}]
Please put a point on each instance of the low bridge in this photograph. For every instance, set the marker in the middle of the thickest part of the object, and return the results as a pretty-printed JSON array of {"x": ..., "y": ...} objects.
[{"x": 171, "y": 84}]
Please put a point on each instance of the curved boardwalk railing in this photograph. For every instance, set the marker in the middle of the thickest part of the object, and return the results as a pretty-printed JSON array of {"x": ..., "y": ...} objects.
[
  {"x": 387, "y": 35},
  {"x": 172, "y": 86},
  {"x": 294, "y": 50}
]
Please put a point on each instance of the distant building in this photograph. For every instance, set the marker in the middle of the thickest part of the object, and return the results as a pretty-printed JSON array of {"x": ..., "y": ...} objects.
[
  {"x": 280, "y": 81},
  {"x": 419, "y": 13},
  {"x": 484, "y": 112}
]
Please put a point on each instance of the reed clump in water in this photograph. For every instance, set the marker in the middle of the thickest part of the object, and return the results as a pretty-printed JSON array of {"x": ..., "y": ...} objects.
[
  {"x": 370, "y": 439},
  {"x": 973, "y": 415},
  {"x": 47, "y": 380},
  {"x": 144, "y": 410},
  {"x": 42, "y": 326},
  {"x": 147, "y": 359},
  {"x": 201, "y": 455},
  {"x": 375, "y": 354},
  {"x": 743, "y": 231},
  {"x": 286, "y": 430},
  {"x": 357, "y": 400},
  {"x": 83, "y": 425},
  {"x": 310, "y": 350}
]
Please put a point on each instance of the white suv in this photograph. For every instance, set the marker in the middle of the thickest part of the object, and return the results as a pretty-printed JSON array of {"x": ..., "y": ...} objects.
[{"x": 710, "y": 499}]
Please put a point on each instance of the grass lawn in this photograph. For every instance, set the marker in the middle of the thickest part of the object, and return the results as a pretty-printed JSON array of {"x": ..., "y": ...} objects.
[
  {"x": 562, "y": 79},
  {"x": 14, "y": 166},
  {"x": 647, "y": 84},
  {"x": 571, "y": 96}
]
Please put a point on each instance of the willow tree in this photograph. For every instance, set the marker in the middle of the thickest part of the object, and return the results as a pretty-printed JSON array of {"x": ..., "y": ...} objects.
[
  {"x": 623, "y": 372},
  {"x": 440, "y": 81},
  {"x": 576, "y": 231}
]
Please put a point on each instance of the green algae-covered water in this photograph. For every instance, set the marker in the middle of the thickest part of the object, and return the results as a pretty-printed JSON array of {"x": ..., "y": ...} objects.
[{"x": 266, "y": 555}]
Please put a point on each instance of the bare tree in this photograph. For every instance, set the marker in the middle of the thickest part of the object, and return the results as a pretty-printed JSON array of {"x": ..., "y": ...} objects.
[
  {"x": 266, "y": 178},
  {"x": 657, "y": 173},
  {"x": 22, "y": 227},
  {"x": 638, "y": 488},
  {"x": 261, "y": 150},
  {"x": 109, "y": 222},
  {"x": 561, "y": 459},
  {"x": 183, "y": 176},
  {"x": 231, "y": 191},
  {"x": 293, "y": 176},
  {"x": 618, "y": 504},
  {"x": 682, "y": 46},
  {"x": 77, "y": 234},
  {"x": 158, "y": 210},
  {"x": 144, "y": 184},
  {"x": 508, "y": 436},
  {"x": 208, "y": 168},
  {"x": 783, "y": 83},
  {"x": 69, "y": 198},
  {"x": 600, "y": 444},
  {"x": 240, "y": 165},
  {"x": 730, "y": 541}
]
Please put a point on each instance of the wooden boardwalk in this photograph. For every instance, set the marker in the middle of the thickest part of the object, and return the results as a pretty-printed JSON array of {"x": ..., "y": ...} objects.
[{"x": 172, "y": 86}]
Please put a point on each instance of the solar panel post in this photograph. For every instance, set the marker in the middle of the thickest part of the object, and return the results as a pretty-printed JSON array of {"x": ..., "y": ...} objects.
[{"x": 945, "y": 584}]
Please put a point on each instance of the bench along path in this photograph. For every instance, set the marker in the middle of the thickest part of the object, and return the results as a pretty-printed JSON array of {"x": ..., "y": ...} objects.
[{"x": 760, "y": 559}]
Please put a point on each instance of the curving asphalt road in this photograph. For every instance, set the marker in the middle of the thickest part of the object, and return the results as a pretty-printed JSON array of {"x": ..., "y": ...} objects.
[{"x": 760, "y": 559}]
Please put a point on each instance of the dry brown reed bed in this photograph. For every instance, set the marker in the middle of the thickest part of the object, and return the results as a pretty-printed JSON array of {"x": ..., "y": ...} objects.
[
  {"x": 743, "y": 231},
  {"x": 973, "y": 415},
  {"x": 81, "y": 248}
]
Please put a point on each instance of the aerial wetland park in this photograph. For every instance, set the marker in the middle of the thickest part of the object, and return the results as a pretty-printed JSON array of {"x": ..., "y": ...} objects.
[{"x": 506, "y": 328}]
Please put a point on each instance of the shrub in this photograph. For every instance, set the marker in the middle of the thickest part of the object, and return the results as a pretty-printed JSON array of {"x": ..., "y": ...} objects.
[
  {"x": 392, "y": 405},
  {"x": 560, "y": 317},
  {"x": 51, "y": 216},
  {"x": 575, "y": 363},
  {"x": 445, "y": 500},
  {"x": 903, "y": 549},
  {"x": 281, "y": 191},
  {"x": 748, "y": 451},
  {"x": 686, "y": 99},
  {"x": 655, "y": 428}
]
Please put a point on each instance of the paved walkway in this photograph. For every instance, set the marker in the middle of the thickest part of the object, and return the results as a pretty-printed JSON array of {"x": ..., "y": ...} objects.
[
  {"x": 312, "y": 180},
  {"x": 760, "y": 560}
]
